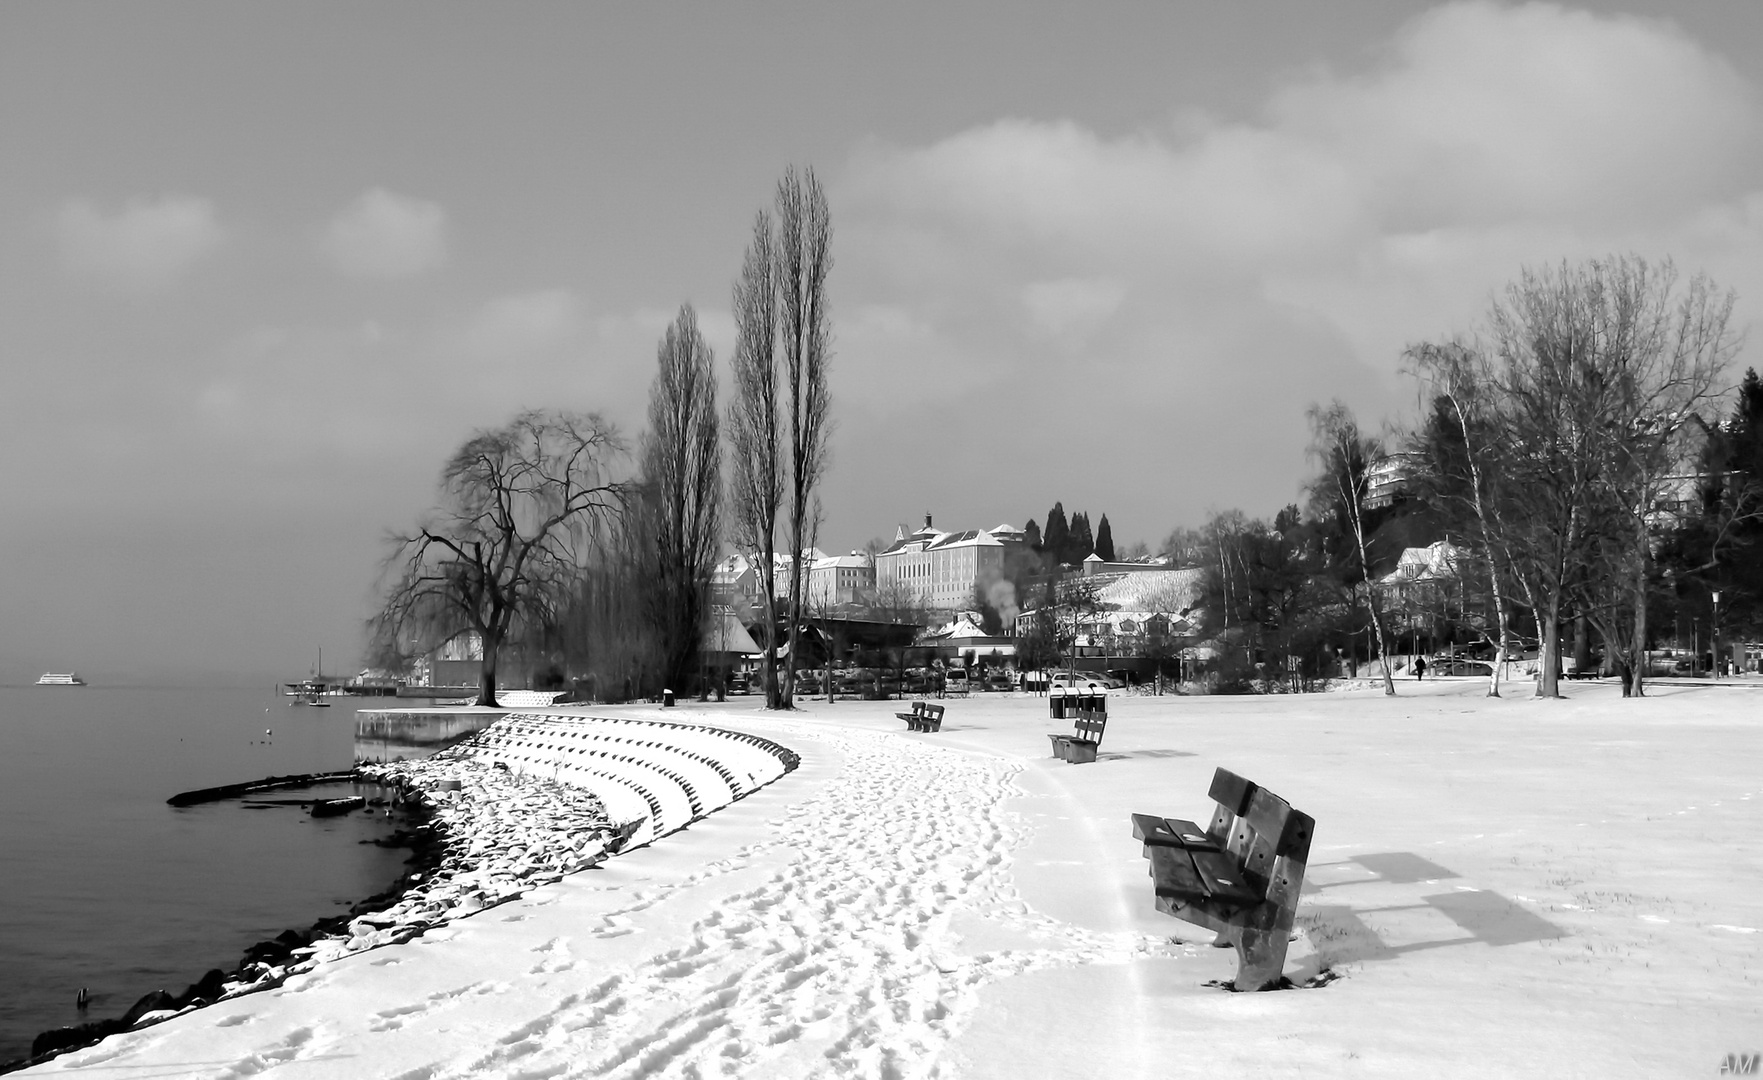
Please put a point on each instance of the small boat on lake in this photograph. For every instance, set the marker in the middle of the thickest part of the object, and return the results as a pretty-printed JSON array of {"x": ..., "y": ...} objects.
[
  {"x": 51, "y": 678},
  {"x": 310, "y": 692},
  {"x": 314, "y": 690}
]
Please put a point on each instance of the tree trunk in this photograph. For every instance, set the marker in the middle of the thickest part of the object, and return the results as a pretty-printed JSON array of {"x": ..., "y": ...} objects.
[
  {"x": 1383, "y": 653},
  {"x": 1549, "y": 650},
  {"x": 486, "y": 694},
  {"x": 787, "y": 700},
  {"x": 1637, "y": 664},
  {"x": 773, "y": 692},
  {"x": 1499, "y": 625}
]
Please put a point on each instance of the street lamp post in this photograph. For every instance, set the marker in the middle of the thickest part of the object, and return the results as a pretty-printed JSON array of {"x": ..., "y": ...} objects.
[{"x": 1714, "y": 634}]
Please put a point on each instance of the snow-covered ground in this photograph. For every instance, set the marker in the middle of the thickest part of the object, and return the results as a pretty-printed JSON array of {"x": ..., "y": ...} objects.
[{"x": 1505, "y": 888}]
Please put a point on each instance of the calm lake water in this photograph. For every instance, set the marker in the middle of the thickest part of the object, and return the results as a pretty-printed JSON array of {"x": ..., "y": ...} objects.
[{"x": 104, "y": 886}]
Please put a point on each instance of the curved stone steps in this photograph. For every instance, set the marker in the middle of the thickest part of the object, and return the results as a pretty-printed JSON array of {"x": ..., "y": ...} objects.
[
  {"x": 707, "y": 783},
  {"x": 668, "y": 773}
]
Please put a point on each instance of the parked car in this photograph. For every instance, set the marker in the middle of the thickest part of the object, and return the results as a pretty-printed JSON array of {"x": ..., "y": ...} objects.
[
  {"x": 1086, "y": 681},
  {"x": 1463, "y": 667}
]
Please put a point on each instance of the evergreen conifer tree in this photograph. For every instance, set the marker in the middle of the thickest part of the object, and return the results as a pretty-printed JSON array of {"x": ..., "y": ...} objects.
[
  {"x": 1105, "y": 540},
  {"x": 1081, "y": 543},
  {"x": 1057, "y": 537}
]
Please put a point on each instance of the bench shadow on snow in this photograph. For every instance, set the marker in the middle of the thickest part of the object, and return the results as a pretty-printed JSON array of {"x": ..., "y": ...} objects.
[
  {"x": 1113, "y": 755},
  {"x": 1341, "y": 934}
]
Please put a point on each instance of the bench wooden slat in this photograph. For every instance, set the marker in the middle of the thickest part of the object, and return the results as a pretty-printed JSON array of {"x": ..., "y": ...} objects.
[
  {"x": 1172, "y": 871},
  {"x": 1224, "y": 878},
  {"x": 1175, "y": 832},
  {"x": 1266, "y": 815},
  {"x": 1257, "y": 834},
  {"x": 1192, "y": 836},
  {"x": 1230, "y": 791},
  {"x": 1151, "y": 829},
  {"x": 1294, "y": 840},
  {"x": 1287, "y": 879}
]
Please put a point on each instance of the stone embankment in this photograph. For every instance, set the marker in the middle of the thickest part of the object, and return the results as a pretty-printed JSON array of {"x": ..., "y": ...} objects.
[
  {"x": 536, "y": 796},
  {"x": 522, "y": 803}
]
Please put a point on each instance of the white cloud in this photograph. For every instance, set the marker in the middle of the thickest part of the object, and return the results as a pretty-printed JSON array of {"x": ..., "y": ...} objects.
[
  {"x": 384, "y": 235},
  {"x": 148, "y": 243},
  {"x": 1072, "y": 307},
  {"x": 1162, "y": 292},
  {"x": 525, "y": 323}
]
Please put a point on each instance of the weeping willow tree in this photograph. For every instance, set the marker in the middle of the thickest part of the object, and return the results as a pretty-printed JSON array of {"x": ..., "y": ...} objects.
[{"x": 504, "y": 548}]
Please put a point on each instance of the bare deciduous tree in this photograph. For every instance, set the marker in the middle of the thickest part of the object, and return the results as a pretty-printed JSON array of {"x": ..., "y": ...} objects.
[
  {"x": 1666, "y": 349},
  {"x": 1346, "y": 457},
  {"x": 1598, "y": 370},
  {"x": 682, "y": 474},
  {"x": 503, "y": 549},
  {"x": 1456, "y": 374}
]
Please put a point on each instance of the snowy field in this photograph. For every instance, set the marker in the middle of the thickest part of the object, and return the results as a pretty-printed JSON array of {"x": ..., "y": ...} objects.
[{"x": 1504, "y": 888}]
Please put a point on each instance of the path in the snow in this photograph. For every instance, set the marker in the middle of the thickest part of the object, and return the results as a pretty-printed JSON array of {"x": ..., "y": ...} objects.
[
  {"x": 845, "y": 960},
  {"x": 850, "y": 937}
]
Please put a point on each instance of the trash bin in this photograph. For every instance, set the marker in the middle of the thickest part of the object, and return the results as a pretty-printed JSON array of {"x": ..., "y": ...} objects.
[{"x": 667, "y": 699}]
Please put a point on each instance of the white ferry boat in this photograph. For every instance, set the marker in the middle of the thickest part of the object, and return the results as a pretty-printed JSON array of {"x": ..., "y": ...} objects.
[{"x": 55, "y": 679}]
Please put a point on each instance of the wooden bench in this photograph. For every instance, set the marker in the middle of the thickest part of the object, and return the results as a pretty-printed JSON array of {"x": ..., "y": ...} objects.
[
  {"x": 1239, "y": 876},
  {"x": 1088, "y": 713},
  {"x": 923, "y": 717}
]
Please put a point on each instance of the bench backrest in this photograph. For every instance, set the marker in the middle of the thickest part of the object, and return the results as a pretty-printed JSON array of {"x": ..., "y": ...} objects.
[
  {"x": 1269, "y": 838},
  {"x": 932, "y": 712},
  {"x": 1091, "y": 726}
]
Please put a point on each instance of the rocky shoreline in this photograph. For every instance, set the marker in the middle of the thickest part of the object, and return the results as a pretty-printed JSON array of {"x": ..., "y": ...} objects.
[{"x": 479, "y": 836}]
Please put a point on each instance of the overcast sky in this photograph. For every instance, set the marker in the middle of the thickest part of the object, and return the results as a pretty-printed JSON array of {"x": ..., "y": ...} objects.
[{"x": 263, "y": 266}]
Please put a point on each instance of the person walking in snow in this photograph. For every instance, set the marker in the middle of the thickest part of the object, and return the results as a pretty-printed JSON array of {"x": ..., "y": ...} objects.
[{"x": 1419, "y": 668}]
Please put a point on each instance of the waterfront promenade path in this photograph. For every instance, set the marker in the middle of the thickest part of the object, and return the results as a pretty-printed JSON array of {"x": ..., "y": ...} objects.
[{"x": 1497, "y": 888}]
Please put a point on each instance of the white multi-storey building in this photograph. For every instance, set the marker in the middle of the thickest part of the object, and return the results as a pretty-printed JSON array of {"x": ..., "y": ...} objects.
[
  {"x": 942, "y": 569},
  {"x": 736, "y": 580},
  {"x": 836, "y": 580}
]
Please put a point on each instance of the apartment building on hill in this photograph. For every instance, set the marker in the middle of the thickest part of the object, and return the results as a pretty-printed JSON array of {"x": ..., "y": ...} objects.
[
  {"x": 942, "y": 569},
  {"x": 841, "y": 580}
]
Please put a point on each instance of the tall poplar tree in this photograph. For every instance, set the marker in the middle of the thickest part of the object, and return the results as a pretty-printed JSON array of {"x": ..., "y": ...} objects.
[
  {"x": 779, "y": 421},
  {"x": 682, "y": 477},
  {"x": 756, "y": 483},
  {"x": 804, "y": 258}
]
